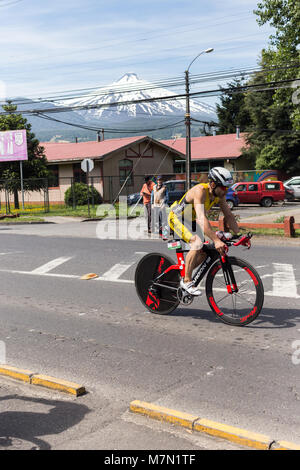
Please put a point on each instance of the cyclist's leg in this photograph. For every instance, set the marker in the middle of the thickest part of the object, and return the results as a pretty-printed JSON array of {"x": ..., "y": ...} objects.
[{"x": 195, "y": 256}]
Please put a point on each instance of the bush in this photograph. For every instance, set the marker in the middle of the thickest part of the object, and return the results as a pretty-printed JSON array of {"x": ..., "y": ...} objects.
[{"x": 79, "y": 192}]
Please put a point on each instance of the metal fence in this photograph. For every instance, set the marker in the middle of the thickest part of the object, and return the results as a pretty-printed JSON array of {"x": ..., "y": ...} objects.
[{"x": 45, "y": 193}]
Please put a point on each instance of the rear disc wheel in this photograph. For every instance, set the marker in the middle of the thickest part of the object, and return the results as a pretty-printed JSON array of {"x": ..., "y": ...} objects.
[{"x": 157, "y": 299}]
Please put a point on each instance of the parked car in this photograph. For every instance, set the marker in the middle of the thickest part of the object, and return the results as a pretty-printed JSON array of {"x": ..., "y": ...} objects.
[
  {"x": 263, "y": 193},
  {"x": 292, "y": 188},
  {"x": 133, "y": 199},
  {"x": 176, "y": 189},
  {"x": 232, "y": 198}
]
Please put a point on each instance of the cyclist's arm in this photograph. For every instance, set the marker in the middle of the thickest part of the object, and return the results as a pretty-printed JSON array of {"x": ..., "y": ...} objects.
[
  {"x": 201, "y": 218},
  {"x": 229, "y": 217}
]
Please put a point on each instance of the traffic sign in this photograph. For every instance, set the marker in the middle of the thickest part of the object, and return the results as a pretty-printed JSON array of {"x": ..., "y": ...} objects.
[{"x": 87, "y": 165}]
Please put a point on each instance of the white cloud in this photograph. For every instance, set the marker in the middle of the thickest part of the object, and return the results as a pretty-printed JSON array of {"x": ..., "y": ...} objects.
[{"x": 70, "y": 44}]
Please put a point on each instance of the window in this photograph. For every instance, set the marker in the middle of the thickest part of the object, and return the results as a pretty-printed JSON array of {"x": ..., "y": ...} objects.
[
  {"x": 54, "y": 176},
  {"x": 125, "y": 171},
  {"x": 272, "y": 186},
  {"x": 199, "y": 167},
  {"x": 180, "y": 186},
  {"x": 241, "y": 187},
  {"x": 294, "y": 183},
  {"x": 178, "y": 167},
  {"x": 252, "y": 187},
  {"x": 78, "y": 175}
]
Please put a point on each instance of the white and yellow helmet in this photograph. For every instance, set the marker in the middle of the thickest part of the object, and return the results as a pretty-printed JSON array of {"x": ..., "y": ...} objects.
[{"x": 220, "y": 176}]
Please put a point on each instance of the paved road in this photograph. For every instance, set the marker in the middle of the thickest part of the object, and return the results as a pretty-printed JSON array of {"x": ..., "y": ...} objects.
[{"x": 97, "y": 333}]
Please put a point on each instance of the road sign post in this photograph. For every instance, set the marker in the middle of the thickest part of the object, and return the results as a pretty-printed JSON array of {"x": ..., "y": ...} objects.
[{"x": 87, "y": 165}]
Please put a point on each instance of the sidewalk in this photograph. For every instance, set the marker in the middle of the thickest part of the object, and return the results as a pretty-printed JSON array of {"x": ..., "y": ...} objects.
[{"x": 270, "y": 217}]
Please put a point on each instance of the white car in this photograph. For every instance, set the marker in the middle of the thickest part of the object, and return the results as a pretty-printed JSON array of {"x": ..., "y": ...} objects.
[{"x": 293, "y": 185}]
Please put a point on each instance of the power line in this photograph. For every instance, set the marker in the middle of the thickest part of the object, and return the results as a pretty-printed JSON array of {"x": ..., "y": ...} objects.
[
  {"x": 171, "y": 82},
  {"x": 107, "y": 129},
  {"x": 160, "y": 98}
]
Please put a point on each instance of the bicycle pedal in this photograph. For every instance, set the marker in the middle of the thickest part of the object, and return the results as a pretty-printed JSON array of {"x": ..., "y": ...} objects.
[{"x": 184, "y": 297}]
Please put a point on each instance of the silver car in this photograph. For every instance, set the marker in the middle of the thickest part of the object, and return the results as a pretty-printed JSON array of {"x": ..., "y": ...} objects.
[{"x": 293, "y": 185}]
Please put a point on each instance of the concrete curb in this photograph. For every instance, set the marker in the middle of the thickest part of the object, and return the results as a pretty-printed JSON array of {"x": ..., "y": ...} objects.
[
  {"x": 220, "y": 430},
  {"x": 46, "y": 381}
]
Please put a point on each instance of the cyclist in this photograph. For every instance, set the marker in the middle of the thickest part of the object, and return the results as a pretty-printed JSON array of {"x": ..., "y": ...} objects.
[{"x": 190, "y": 215}]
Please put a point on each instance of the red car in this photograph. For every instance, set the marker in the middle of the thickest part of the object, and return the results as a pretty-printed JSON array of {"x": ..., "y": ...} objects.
[{"x": 263, "y": 193}]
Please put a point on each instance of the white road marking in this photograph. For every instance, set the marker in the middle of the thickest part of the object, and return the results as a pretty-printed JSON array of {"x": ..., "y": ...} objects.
[
  {"x": 284, "y": 281},
  {"x": 283, "y": 277},
  {"x": 11, "y": 253},
  {"x": 116, "y": 271},
  {"x": 45, "y": 268},
  {"x": 33, "y": 273}
]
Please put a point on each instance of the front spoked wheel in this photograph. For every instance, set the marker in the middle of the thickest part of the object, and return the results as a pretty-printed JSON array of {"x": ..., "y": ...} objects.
[
  {"x": 160, "y": 297},
  {"x": 239, "y": 308}
]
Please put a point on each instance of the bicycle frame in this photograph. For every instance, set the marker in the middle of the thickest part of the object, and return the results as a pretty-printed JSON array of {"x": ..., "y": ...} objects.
[{"x": 212, "y": 256}]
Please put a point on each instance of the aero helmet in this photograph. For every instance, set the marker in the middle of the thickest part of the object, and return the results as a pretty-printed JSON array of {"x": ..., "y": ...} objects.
[{"x": 220, "y": 176}]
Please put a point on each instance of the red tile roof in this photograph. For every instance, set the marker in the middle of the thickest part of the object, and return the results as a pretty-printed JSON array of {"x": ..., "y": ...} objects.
[
  {"x": 211, "y": 147},
  {"x": 203, "y": 148},
  {"x": 61, "y": 151}
]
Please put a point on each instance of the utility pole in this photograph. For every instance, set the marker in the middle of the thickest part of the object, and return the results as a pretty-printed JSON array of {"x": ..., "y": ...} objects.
[
  {"x": 188, "y": 121},
  {"x": 188, "y": 132}
]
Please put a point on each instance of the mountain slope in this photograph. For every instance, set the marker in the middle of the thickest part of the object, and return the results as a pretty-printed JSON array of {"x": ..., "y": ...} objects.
[
  {"x": 152, "y": 117},
  {"x": 131, "y": 88}
]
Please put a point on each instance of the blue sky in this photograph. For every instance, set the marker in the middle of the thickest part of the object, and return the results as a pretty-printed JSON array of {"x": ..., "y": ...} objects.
[{"x": 63, "y": 45}]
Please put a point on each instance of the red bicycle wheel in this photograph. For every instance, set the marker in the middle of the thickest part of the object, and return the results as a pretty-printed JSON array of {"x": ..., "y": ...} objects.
[{"x": 239, "y": 308}]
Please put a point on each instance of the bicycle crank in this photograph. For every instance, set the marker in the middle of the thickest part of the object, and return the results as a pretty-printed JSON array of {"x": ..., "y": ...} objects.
[{"x": 184, "y": 297}]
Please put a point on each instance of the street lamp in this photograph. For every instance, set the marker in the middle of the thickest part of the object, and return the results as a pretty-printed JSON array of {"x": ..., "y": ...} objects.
[{"x": 188, "y": 120}]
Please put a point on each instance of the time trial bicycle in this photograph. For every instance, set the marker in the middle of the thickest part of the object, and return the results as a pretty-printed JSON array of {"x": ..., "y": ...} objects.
[{"x": 233, "y": 288}]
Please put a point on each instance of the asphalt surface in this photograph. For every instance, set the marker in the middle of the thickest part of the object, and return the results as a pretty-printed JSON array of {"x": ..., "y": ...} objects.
[{"x": 97, "y": 333}]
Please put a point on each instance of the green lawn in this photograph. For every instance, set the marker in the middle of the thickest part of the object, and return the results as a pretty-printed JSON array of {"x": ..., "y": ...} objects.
[{"x": 80, "y": 211}]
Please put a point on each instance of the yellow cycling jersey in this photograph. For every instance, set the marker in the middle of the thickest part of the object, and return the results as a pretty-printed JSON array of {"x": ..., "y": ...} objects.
[{"x": 178, "y": 208}]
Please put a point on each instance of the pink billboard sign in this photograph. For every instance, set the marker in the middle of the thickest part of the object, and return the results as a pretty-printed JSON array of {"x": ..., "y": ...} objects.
[{"x": 13, "y": 146}]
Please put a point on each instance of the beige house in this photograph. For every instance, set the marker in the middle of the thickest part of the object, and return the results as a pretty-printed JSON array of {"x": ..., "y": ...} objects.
[{"x": 119, "y": 164}]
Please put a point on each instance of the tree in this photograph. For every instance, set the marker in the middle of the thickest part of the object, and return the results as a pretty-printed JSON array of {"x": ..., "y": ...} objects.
[
  {"x": 284, "y": 17},
  {"x": 79, "y": 193},
  {"x": 35, "y": 171},
  {"x": 232, "y": 111},
  {"x": 274, "y": 140}
]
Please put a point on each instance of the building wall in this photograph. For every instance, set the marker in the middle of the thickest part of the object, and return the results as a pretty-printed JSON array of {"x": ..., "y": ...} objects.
[
  {"x": 57, "y": 194},
  {"x": 155, "y": 162}
]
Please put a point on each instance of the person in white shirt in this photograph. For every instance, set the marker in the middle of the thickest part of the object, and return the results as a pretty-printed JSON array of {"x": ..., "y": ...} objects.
[{"x": 159, "y": 201}]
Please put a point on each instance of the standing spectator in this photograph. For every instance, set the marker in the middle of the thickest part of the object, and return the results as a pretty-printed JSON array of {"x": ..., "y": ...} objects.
[
  {"x": 159, "y": 200},
  {"x": 146, "y": 193}
]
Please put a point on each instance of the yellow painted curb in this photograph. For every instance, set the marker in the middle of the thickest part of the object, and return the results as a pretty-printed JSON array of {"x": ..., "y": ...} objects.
[
  {"x": 16, "y": 373},
  {"x": 57, "y": 384},
  {"x": 43, "y": 380},
  {"x": 233, "y": 434},
  {"x": 285, "y": 445},
  {"x": 230, "y": 433},
  {"x": 163, "y": 414}
]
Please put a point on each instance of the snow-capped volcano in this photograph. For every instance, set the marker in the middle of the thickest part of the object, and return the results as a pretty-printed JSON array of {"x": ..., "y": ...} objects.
[{"x": 129, "y": 88}]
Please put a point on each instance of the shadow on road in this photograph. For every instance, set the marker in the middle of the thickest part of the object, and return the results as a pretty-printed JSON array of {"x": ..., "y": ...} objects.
[
  {"x": 268, "y": 318},
  {"x": 23, "y": 429}
]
